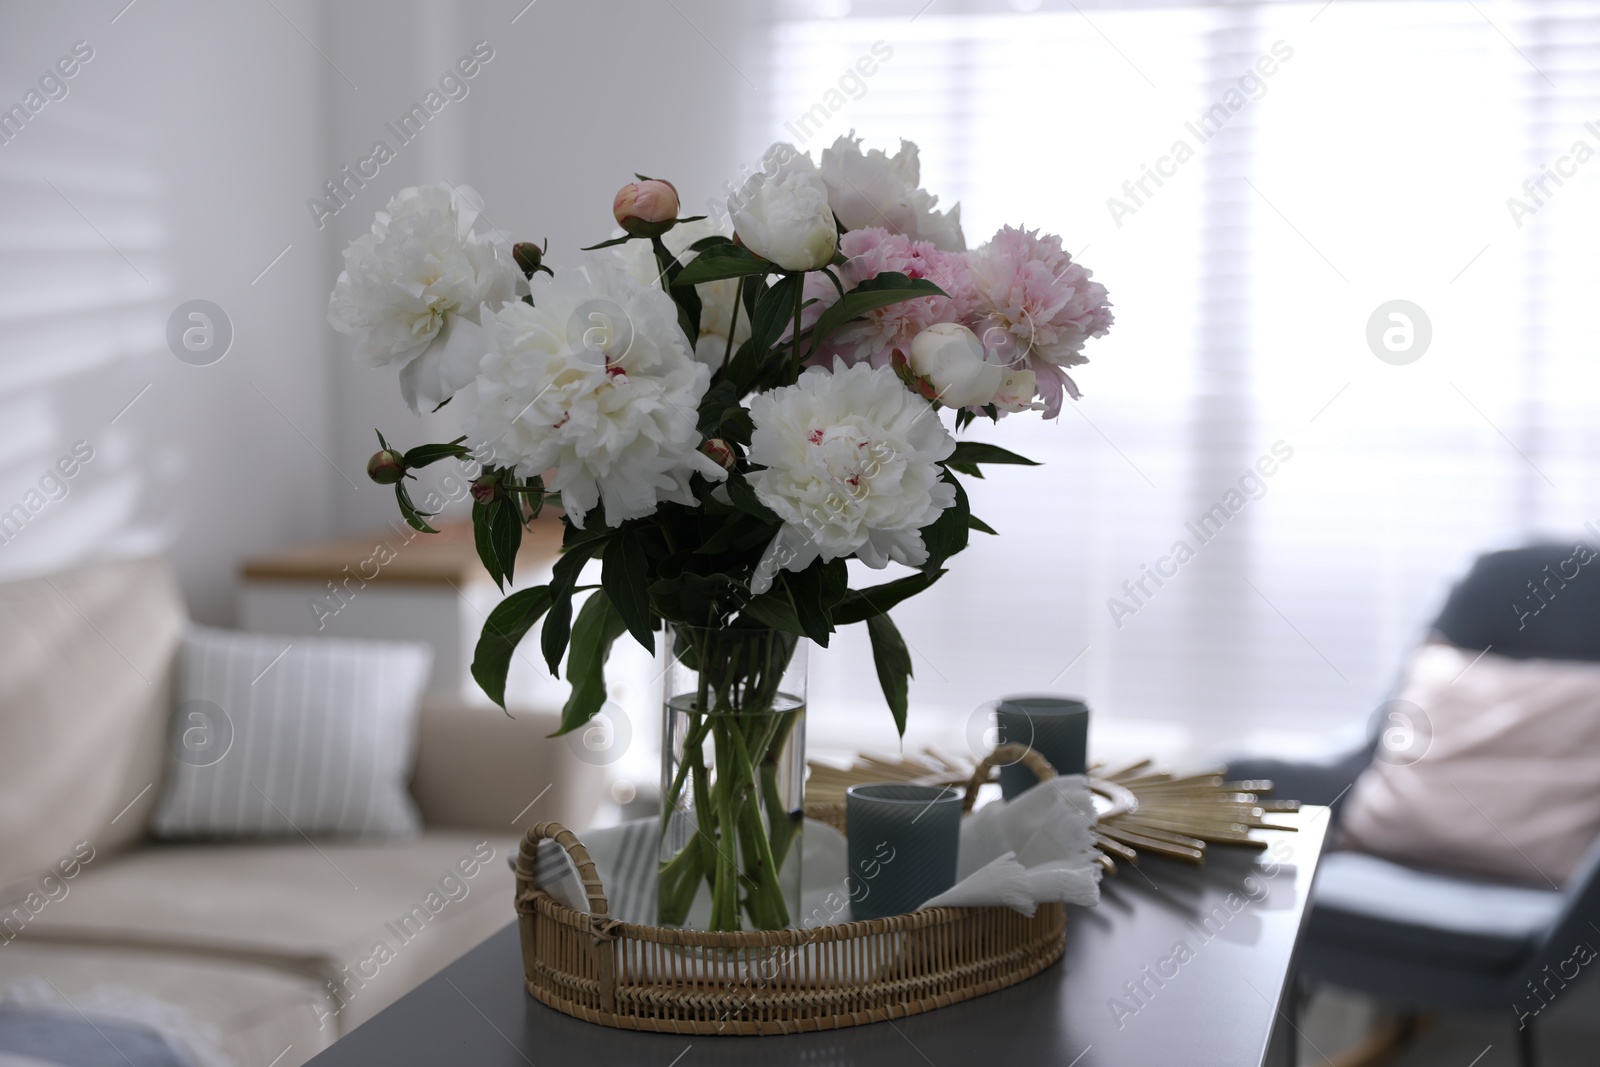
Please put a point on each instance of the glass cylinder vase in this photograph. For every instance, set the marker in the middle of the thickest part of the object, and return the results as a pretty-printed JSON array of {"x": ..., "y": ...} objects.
[{"x": 732, "y": 778}]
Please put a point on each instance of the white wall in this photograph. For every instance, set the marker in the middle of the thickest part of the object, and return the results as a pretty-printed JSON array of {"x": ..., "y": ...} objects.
[
  {"x": 184, "y": 154},
  {"x": 176, "y": 160},
  {"x": 577, "y": 98}
]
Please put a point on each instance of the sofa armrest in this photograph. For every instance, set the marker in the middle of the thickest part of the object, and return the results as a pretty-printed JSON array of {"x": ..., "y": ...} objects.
[
  {"x": 478, "y": 767},
  {"x": 1321, "y": 782}
]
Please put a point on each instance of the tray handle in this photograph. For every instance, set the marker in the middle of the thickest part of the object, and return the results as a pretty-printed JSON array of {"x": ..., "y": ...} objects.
[
  {"x": 528, "y": 861},
  {"x": 601, "y": 925},
  {"x": 1005, "y": 754}
]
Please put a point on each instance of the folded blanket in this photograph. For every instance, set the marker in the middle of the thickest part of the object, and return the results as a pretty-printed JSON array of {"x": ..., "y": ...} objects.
[{"x": 31, "y": 1037}]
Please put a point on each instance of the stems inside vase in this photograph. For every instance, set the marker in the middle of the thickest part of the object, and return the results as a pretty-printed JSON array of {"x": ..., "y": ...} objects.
[{"x": 729, "y": 826}]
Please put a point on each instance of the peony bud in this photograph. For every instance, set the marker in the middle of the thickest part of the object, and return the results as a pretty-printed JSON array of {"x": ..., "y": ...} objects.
[
  {"x": 950, "y": 356},
  {"x": 902, "y": 369},
  {"x": 721, "y": 453},
  {"x": 530, "y": 257},
  {"x": 386, "y": 467},
  {"x": 646, "y": 209},
  {"x": 485, "y": 488},
  {"x": 781, "y": 212},
  {"x": 1016, "y": 391}
]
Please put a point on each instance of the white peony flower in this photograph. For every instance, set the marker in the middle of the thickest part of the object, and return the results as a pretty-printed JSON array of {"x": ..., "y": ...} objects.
[
  {"x": 781, "y": 212},
  {"x": 716, "y": 298},
  {"x": 595, "y": 380},
  {"x": 413, "y": 290},
  {"x": 951, "y": 357},
  {"x": 877, "y": 189},
  {"x": 851, "y": 460}
]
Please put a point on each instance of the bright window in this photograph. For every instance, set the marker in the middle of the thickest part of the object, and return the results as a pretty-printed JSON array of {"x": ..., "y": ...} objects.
[{"x": 1339, "y": 156}]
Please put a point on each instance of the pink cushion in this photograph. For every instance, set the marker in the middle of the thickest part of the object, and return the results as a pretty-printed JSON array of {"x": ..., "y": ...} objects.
[{"x": 1497, "y": 773}]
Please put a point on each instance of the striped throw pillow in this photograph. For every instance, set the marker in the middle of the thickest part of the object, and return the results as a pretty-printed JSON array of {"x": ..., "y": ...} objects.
[{"x": 292, "y": 736}]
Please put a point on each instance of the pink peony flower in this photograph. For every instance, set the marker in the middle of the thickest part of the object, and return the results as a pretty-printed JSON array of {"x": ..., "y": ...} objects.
[
  {"x": 643, "y": 208},
  {"x": 878, "y": 336},
  {"x": 1035, "y": 308}
]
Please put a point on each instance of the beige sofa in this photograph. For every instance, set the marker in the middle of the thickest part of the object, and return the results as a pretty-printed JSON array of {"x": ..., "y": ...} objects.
[{"x": 245, "y": 954}]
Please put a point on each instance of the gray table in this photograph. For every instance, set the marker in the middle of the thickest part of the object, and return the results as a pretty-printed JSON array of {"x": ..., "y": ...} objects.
[{"x": 1175, "y": 966}]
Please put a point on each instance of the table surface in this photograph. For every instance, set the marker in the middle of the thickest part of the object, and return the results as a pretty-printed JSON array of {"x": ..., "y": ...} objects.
[{"x": 1176, "y": 965}]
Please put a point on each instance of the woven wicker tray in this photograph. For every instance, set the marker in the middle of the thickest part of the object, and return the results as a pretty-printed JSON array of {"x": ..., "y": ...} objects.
[{"x": 638, "y": 977}]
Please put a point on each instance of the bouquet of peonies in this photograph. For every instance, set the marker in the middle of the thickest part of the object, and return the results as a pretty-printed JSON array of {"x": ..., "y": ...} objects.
[{"x": 724, "y": 412}]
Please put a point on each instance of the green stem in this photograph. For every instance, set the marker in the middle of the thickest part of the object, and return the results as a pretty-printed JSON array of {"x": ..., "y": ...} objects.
[
  {"x": 738, "y": 299},
  {"x": 677, "y": 883},
  {"x": 799, "y": 303},
  {"x": 780, "y": 820},
  {"x": 695, "y": 738},
  {"x": 678, "y": 880},
  {"x": 744, "y": 832},
  {"x": 766, "y": 894},
  {"x": 725, "y": 898}
]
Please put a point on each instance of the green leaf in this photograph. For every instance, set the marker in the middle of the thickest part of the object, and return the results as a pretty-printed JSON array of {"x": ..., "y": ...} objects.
[
  {"x": 859, "y": 605},
  {"x": 815, "y": 590},
  {"x": 497, "y": 534},
  {"x": 714, "y": 405},
  {"x": 686, "y": 298},
  {"x": 740, "y": 371},
  {"x": 737, "y": 425},
  {"x": 596, "y": 630},
  {"x": 969, "y": 454},
  {"x": 505, "y": 628},
  {"x": 505, "y": 533},
  {"x": 381, "y": 442},
  {"x": 573, "y": 536},
  {"x": 740, "y": 532},
  {"x": 887, "y": 288},
  {"x": 975, "y": 523},
  {"x": 834, "y": 278},
  {"x": 722, "y": 261},
  {"x": 708, "y": 242},
  {"x": 947, "y": 534},
  {"x": 810, "y": 613},
  {"x": 695, "y": 599},
  {"x": 414, "y": 516},
  {"x": 893, "y": 660},
  {"x": 743, "y": 495},
  {"x": 775, "y": 610},
  {"x": 752, "y": 290},
  {"x": 564, "y": 576},
  {"x": 423, "y": 455},
  {"x": 774, "y": 310},
  {"x": 624, "y": 576},
  {"x": 607, "y": 244},
  {"x": 482, "y": 542}
]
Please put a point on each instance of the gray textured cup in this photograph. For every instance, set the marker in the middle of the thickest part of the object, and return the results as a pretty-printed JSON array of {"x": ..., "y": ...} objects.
[
  {"x": 903, "y": 841},
  {"x": 1055, "y": 727}
]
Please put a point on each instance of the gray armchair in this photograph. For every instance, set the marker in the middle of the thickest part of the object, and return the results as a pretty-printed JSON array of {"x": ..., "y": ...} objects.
[{"x": 1424, "y": 939}]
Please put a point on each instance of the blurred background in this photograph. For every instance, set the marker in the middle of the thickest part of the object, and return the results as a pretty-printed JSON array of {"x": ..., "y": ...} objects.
[{"x": 1336, "y": 156}]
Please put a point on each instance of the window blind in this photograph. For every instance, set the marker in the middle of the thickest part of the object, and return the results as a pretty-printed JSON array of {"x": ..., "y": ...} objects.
[
  {"x": 83, "y": 289},
  {"x": 1334, "y": 157}
]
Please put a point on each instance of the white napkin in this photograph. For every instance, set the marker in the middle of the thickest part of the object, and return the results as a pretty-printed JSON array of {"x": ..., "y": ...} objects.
[{"x": 1021, "y": 853}]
